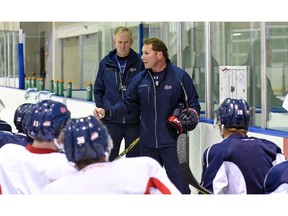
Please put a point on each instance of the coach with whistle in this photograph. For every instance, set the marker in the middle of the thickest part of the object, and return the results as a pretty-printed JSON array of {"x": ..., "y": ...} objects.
[
  {"x": 115, "y": 73},
  {"x": 157, "y": 91}
]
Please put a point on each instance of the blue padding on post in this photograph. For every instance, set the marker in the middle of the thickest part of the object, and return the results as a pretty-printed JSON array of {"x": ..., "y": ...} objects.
[
  {"x": 205, "y": 120},
  {"x": 140, "y": 37},
  {"x": 21, "y": 67}
]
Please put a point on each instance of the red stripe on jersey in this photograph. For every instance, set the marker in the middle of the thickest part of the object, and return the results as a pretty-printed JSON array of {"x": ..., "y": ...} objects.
[
  {"x": 155, "y": 183},
  {"x": 32, "y": 149}
]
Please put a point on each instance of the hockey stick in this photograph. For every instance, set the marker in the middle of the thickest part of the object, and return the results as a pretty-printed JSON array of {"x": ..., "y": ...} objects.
[
  {"x": 183, "y": 161},
  {"x": 127, "y": 149}
]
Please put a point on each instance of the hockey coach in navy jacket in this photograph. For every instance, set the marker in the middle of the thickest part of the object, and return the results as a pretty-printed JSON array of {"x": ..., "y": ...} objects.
[
  {"x": 157, "y": 91},
  {"x": 115, "y": 73}
]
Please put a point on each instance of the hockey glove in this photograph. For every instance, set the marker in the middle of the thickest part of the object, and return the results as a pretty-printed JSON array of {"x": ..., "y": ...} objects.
[
  {"x": 189, "y": 119},
  {"x": 174, "y": 120}
]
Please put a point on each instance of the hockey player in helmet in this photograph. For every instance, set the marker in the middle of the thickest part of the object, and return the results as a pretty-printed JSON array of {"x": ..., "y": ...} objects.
[
  {"x": 19, "y": 121},
  {"x": 20, "y": 114},
  {"x": 87, "y": 145},
  {"x": 26, "y": 170},
  {"x": 19, "y": 137},
  {"x": 239, "y": 163}
]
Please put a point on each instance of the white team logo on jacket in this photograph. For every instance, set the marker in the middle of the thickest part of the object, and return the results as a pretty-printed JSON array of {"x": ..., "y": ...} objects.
[
  {"x": 133, "y": 69},
  {"x": 167, "y": 87}
]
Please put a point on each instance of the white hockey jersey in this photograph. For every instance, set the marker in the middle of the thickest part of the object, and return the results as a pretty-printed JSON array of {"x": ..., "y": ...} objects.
[
  {"x": 26, "y": 170},
  {"x": 137, "y": 175}
]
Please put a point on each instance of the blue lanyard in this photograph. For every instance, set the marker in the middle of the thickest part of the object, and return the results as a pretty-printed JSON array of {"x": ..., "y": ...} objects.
[{"x": 121, "y": 64}]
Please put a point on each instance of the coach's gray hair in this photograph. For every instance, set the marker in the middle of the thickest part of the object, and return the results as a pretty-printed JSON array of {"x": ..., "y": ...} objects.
[{"x": 123, "y": 29}]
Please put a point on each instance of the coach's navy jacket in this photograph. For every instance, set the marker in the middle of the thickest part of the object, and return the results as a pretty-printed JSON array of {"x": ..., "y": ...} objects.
[
  {"x": 107, "y": 84},
  {"x": 157, "y": 103}
]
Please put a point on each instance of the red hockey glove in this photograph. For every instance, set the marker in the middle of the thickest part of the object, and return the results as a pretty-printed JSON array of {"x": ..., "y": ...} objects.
[{"x": 174, "y": 120}]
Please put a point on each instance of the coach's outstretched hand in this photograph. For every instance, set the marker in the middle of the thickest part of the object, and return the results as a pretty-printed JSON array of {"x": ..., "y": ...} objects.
[{"x": 99, "y": 113}]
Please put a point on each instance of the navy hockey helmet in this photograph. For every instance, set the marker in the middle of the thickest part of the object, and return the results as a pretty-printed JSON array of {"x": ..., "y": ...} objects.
[
  {"x": 45, "y": 120},
  {"x": 20, "y": 114},
  {"x": 86, "y": 138},
  {"x": 234, "y": 113}
]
